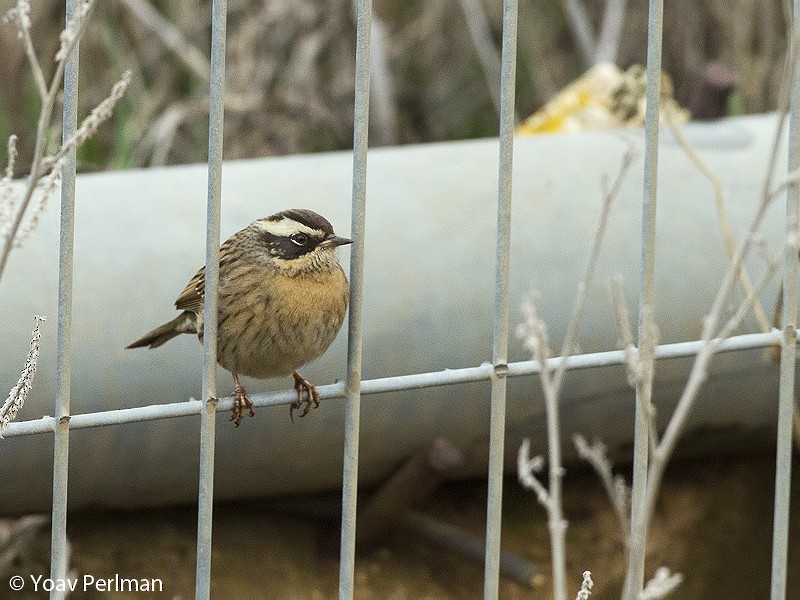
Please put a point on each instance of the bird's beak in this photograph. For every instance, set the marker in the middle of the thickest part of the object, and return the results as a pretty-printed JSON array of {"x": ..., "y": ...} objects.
[{"x": 334, "y": 240}]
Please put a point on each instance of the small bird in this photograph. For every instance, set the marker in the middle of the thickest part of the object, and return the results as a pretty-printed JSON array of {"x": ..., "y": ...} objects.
[{"x": 282, "y": 300}]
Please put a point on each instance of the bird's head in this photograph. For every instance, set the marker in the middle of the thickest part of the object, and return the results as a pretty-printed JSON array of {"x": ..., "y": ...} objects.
[{"x": 299, "y": 240}]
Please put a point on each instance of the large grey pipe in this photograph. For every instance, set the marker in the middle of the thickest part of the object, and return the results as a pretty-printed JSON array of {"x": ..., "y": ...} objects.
[{"x": 428, "y": 306}]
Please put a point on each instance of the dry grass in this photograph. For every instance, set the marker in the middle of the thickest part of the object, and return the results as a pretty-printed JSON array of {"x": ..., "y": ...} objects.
[{"x": 290, "y": 70}]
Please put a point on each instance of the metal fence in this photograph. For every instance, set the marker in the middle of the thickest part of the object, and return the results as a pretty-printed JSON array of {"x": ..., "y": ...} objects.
[{"x": 497, "y": 371}]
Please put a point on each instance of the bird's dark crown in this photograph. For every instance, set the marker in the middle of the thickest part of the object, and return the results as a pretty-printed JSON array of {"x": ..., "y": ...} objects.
[{"x": 306, "y": 217}]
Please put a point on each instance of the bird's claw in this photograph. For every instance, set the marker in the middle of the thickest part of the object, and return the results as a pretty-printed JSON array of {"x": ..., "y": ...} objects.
[
  {"x": 311, "y": 396},
  {"x": 241, "y": 403}
]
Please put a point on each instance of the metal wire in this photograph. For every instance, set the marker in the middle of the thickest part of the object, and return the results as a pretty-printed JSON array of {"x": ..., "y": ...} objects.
[
  {"x": 59, "y": 554},
  {"x": 382, "y": 385},
  {"x": 635, "y": 573},
  {"x": 496, "y": 372},
  {"x": 497, "y": 418},
  {"x": 786, "y": 396},
  {"x": 205, "y": 498},
  {"x": 352, "y": 415}
]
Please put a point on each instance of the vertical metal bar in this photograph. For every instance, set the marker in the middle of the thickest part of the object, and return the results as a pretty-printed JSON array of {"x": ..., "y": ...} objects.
[
  {"x": 783, "y": 461},
  {"x": 352, "y": 415},
  {"x": 497, "y": 419},
  {"x": 205, "y": 499},
  {"x": 635, "y": 572},
  {"x": 59, "y": 552}
]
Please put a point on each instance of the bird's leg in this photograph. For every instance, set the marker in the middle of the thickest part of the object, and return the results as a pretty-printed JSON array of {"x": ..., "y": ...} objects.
[
  {"x": 240, "y": 402},
  {"x": 311, "y": 395}
]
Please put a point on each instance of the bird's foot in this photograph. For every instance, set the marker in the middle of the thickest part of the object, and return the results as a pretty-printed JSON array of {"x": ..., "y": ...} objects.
[
  {"x": 310, "y": 396},
  {"x": 241, "y": 403}
]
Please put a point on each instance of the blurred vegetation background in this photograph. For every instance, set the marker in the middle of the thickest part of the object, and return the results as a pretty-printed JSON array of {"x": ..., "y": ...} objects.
[{"x": 290, "y": 69}]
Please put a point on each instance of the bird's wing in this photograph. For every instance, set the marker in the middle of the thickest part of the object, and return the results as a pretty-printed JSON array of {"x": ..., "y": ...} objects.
[{"x": 193, "y": 295}]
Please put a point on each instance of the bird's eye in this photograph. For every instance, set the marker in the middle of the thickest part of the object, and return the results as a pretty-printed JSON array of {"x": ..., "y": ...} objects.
[{"x": 299, "y": 238}]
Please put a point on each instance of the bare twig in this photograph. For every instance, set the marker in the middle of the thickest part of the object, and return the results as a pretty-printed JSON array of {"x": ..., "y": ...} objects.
[
  {"x": 101, "y": 113},
  {"x": 8, "y": 199},
  {"x": 534, "y": 333},
  {"x": 52, "y": 165},
  {"x": 609, "y": 195},
  {"x": 481, "y": 35},
  {"x": 382, "y": 100},
  {"x": 615, "y": 486},
  {"x": 17, "y": 395},
  {"x": 69, "y": 41},
  {"x": 20, "y": 17},
  {"x": 536, "y": 341},
  {"x": 610, "y": 32},
  {"x": 18, "y": 540},
  {"x": 527, "y": 467},
  {"x": 586, "y": 586},
  {"x": 160, "y": 136},
  {"x": 555, "y": 521},
  {"x": 648, "y": 340},
  {"x": 722, "y": 215},
  {"x": 640, "y": 367},
  {"x": 582, "y": 28},
  {"x": 45, "y": 172},
  {"x": 663, "y": 583},
  {"x": 735, "y": 320},
  {"x": 780, "y": 187},
  {"x": 158, "y": 140},
  {"x": 170, "y": 36},
  {"x": 623, "y": 316},
  {"x": 711, "y": 337}
]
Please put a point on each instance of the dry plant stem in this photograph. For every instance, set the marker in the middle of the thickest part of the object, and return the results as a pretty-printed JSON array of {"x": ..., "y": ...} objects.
[
  {"x": 722, "y": 215},
  {"x": 610, "y": 31},
  {"x": 481, "y": 35},
  {"x": 36, "y": 68},
  {"x": 646, "y": 373},
  {"x": 791, "y": 179},
  {"x": 382, "y": 103},
  {"x": 19, "y": 540},
  {"x": 609, "y": 195},
  {"x": 8, "y": 199},
  {"x": 616, "y": 489},
  {"x": 698, "y": 374},
  {"x": 158, "y": 139},
  {"x": 526, "y": 467},
  {"x": 555, "y": 517},
  {"x": 170, "y": 36},
  {"x": 161, "y": 135},
  {"x": 99, "y": 114},
  {"x": 744, "y": 306},
  {"x": 38, "y": 170},
  {"x": 586, "y": 586},
  {"x": 661, "y": 584},
  {"x": 659, "y": 458},
  {"x": 18, "y": 394},
  {"x": 633, "y": 362},
  {"x": 640, "y": 367},
  {"x": 581, "y": 26},
  {"x": 551, "y": 386},
  {"x": 623, "y": 317}
]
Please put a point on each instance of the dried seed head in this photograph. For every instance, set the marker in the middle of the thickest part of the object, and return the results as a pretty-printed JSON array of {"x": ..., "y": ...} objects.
[{"x": 17, "y": 395}]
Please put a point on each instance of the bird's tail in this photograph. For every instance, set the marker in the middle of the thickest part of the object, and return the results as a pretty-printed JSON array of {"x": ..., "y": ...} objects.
[{"x": 186, "y": 322}]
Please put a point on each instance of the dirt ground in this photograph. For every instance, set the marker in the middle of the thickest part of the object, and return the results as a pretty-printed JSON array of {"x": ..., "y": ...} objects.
[{"x": 714, "y": 524}]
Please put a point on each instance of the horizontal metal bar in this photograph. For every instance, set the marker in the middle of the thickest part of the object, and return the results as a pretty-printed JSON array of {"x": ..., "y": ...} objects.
[{"x": 398, "y": 383}]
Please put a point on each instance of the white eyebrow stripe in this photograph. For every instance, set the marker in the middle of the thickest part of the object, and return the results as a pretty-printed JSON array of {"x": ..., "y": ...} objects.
[{"x": 286, "y": 227}]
